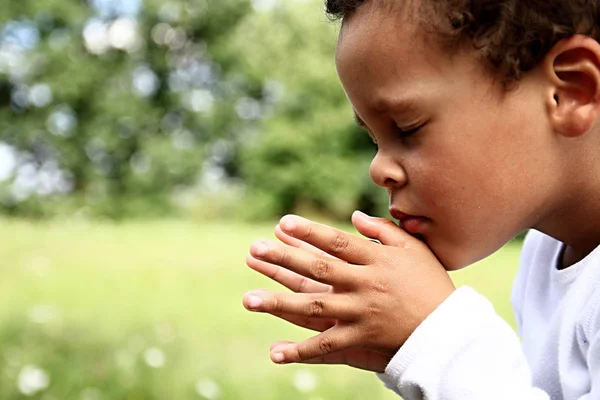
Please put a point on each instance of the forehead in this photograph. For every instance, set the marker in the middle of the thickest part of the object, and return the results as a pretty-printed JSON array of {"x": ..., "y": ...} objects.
[
  {"x": 379, "y": 52},
  {"x": 373, "y": 25}
]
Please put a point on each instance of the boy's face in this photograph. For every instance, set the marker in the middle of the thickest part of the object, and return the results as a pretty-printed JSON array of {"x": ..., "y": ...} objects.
[{"x": 482, "y": 165}]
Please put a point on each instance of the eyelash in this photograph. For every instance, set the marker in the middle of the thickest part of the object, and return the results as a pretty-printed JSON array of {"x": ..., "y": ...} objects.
[{"x": 403, "y": 134}]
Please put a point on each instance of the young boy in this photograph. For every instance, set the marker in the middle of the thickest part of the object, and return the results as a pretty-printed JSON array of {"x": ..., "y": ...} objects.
[{"x": 486, "y": 118}]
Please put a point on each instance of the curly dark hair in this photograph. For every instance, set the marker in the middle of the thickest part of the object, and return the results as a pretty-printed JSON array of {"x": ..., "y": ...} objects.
[{"x": 513, "y": 36}]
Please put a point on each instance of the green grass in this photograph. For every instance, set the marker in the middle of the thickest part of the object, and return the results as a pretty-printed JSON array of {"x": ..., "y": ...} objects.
[{"x": 85, "y": 301}]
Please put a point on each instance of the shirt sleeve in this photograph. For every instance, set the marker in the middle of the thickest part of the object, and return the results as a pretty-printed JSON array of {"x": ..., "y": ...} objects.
[{"x": 464, "y": 350}]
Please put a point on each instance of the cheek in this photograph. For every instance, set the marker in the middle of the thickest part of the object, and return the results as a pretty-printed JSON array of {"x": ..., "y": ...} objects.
[
  {"x": 464, "y": 197},
  {"x": 444, "y": 186},
  {"x": 474, "y": 182}
]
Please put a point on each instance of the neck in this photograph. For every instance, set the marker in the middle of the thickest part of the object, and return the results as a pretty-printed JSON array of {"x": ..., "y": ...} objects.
[{"x": 575, "y": 220}]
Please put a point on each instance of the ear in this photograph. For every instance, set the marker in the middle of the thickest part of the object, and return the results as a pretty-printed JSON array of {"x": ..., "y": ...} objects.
[{"x": 573, "y": 67}]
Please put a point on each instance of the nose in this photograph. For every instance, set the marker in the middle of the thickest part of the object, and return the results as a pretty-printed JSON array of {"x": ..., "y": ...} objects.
[{"x": 386, "y": 171}]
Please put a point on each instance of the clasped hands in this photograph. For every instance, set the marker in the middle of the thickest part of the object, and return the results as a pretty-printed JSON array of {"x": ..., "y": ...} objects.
[{"x": 365, "y": 298}]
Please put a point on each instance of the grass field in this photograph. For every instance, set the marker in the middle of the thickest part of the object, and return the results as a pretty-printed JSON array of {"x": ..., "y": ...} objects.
[{"x": 152, "y": 310}]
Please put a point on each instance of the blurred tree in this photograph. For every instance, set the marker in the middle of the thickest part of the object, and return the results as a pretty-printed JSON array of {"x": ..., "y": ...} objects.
[
  {"x": 116, "y": 104},
  {"x": 122, "y": 107},
  {"x": 310, "y": 155}
]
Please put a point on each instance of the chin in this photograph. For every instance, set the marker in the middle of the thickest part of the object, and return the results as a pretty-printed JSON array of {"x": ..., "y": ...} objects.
[{"x": 453, "y": 259}]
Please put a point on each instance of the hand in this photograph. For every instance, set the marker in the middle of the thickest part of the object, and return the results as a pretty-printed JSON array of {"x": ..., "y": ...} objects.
[
  {"x": 358, "y": 358},
  {"x": 368, "y": 300}
]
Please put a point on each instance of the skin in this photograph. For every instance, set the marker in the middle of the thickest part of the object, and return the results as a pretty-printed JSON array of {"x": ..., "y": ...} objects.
[
  {"x": 479, "y": 150},
  {"x": 484, "y": 165}
]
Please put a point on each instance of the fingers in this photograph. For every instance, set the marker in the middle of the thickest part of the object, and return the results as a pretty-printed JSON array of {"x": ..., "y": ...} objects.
[
  {"x": 292, "y": 241},
  {"x": 382, "y": 229},
  {"x": 317, "y": 348},
  {"x": 314, "y": 324},
  {"x": 279, "y": 343},
  {"x": 317, "y": 268},
  {"x": 357, "y": 358},
  {"x": 340, "y": 244},
  {"x": 289, "y": 279},
  {"x": 311, "y": 305}
]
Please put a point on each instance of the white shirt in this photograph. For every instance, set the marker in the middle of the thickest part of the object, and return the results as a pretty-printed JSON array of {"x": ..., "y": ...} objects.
[{"x": 464, "y": 350}]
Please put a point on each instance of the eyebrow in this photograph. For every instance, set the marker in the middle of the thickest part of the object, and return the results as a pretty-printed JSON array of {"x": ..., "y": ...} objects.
[
  {"x": 406, "y": 105},
  {"x": 395, "y": 106}
]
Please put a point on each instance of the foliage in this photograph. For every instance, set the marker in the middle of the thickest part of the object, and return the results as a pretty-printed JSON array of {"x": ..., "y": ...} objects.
[
  {"x": 124, "y": 112},
  {"x": 310, "y": 153},
  {"x": 110, "y": 105}
]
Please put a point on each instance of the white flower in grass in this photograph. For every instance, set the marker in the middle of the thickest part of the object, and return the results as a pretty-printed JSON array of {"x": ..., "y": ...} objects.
[
  {"x": 305, "y": 381},
  {"x": 32, "y": 379},
  {"x": 208, "y": 389},
  {"x": 154, "y": 357}
]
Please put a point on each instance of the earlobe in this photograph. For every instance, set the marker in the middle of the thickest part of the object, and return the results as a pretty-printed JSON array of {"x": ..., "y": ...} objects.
[{"x": 573, "y": 66}]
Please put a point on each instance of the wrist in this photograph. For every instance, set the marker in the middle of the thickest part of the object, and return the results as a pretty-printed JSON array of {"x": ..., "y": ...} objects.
[{"x": 412, "y": 321}]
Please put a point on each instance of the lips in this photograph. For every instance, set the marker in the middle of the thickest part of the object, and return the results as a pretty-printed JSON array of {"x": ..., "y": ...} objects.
[
  {"x": 400, "y": 216},
  {"x": 411, "y": 223}
]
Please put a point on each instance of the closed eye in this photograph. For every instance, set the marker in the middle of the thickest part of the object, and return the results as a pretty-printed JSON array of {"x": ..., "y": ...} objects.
[{"x": 405, "y": 133}]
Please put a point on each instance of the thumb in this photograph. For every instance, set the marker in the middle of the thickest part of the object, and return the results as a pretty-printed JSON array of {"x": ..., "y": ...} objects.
[{"x": 382, "y": 229}]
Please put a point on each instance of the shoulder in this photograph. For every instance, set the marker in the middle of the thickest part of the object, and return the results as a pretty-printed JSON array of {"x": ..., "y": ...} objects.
[
  {"x": 538, "y": 248},
  {"x": 536, "y": 258},
  {"x": 536, "y": 245}
]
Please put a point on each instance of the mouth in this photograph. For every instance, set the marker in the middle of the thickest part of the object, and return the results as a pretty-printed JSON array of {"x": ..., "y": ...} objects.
[{"x": 412, "y": 224}]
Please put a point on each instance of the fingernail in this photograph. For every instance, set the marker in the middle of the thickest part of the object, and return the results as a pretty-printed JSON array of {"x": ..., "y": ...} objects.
[
  {"x": 260, "y": 249},
  {"x": 278, "y": 357},
  {"x": 361, "y": 213},
  {"x": 254, "y": 302},
  {"x": 287, "y": 224},
  {"x": 279, "y": 348}
]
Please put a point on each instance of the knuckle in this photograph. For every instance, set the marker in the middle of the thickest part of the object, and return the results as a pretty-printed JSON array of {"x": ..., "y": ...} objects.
[
  {"x": 321, "y": 269},
  {"x": 296, "y": 355},
  {"x": 302, "y": 285},
  {"x": 339, "y": 243},
  {"x": 378, "y": 287},
  {"x": 371, "y": 335},
  {"x": 275, "y": 274},
  {"x": 315, "y": 308},
  {"x": 284, "y": 256},
  {"x": 310, "y": 231},
  {"x": 276, "y": 305},
  {"x": 326, "y": 345}
]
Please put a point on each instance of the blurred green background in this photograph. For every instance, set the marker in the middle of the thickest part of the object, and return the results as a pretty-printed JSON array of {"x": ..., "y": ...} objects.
[{"x": 143, "y": 145}]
